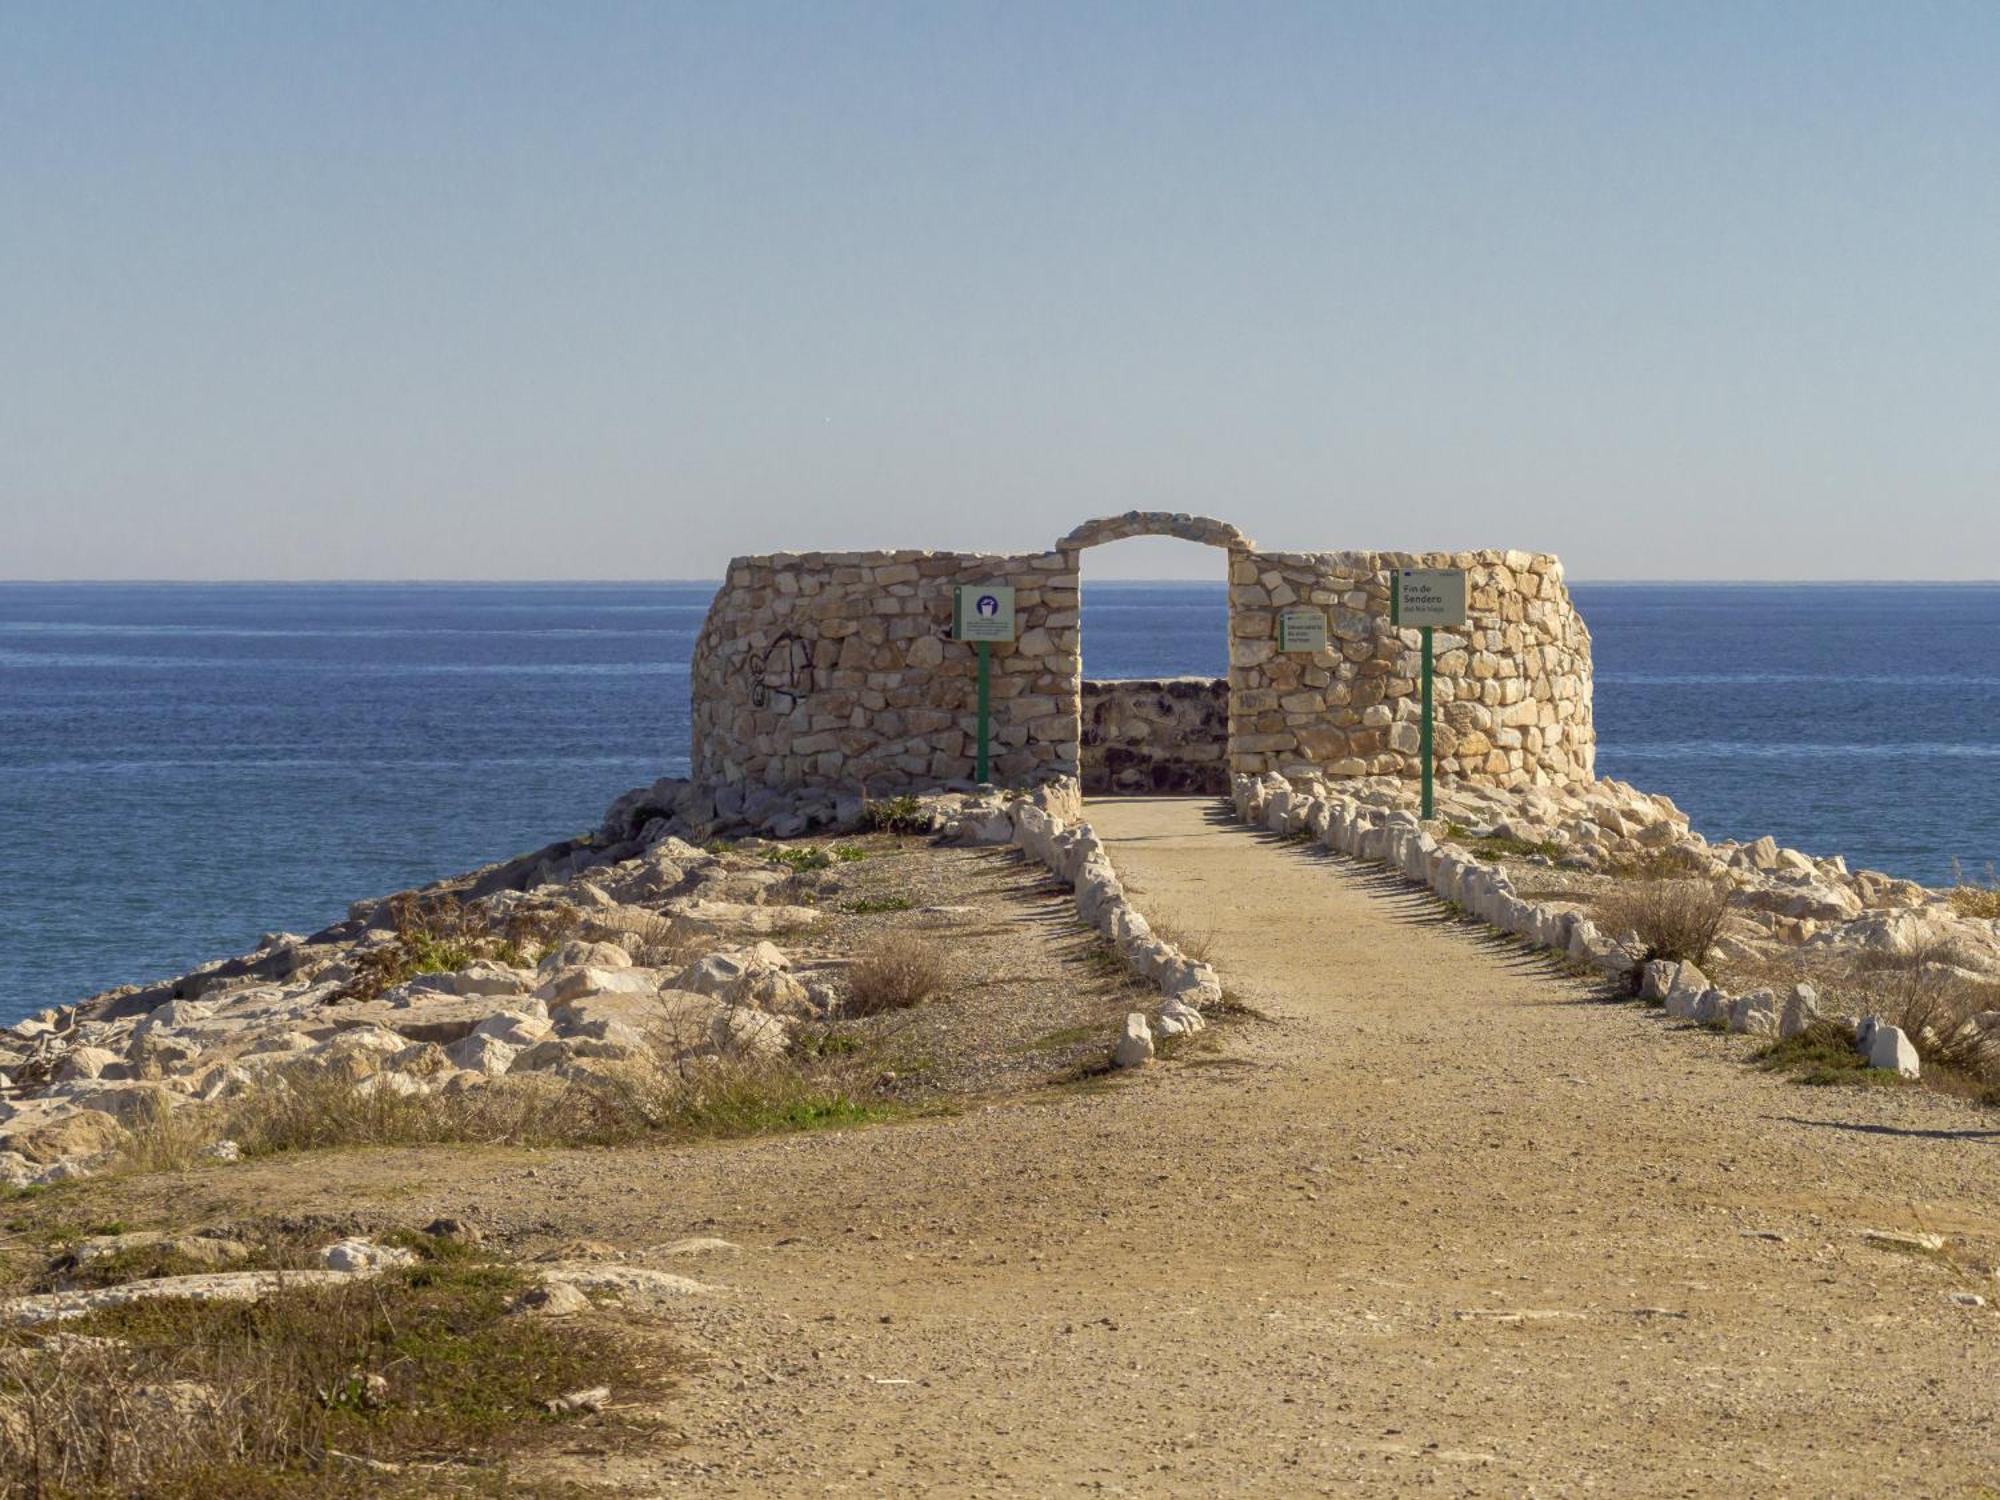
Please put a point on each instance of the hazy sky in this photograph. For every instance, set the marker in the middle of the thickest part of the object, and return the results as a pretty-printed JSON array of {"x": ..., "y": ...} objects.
[{"x": 593, "y": 290}]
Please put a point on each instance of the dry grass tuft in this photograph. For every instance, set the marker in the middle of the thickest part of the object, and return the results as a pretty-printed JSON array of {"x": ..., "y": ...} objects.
[
  {"x": 899, "y": 971},
  {"x": 1979, "y": 899},
  {"x": 666, "y": 942},
  {"x": 415, "y": 1383},
  {"x": 1197, "y": 945},
  {"x": 694, "y": 1097},
  {"x": 439, "y": 934},
  {"x": 1676, "y": 920}
]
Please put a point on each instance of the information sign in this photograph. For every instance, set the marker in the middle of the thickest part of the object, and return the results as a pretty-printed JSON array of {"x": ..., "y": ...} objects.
[
  {"x": 1429, "y": 596},
  {"x": 983, "y": 612},
  {"x": 1302, "y": 630}
]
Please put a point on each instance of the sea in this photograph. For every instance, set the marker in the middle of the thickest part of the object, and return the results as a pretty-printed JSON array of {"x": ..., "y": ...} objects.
[{"x": 186, "y": 766}]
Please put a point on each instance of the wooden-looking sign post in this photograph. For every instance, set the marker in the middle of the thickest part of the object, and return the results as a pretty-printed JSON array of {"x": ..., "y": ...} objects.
[
  {"x": 1427, "y": 598},
  {"x": 983, "y": 614}
]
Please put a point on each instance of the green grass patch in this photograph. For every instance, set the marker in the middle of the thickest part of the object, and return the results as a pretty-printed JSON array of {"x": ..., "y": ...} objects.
[
  {"x": 1822, "y": 1055},
  {"x": 1498, "y": 846},
  {"x": 870, "y": 906}
]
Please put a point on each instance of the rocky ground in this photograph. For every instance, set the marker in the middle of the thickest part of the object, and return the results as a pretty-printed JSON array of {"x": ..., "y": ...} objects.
[
  {"x": 631, "y": 958},
  {"x": 1440, "y": 1215}
]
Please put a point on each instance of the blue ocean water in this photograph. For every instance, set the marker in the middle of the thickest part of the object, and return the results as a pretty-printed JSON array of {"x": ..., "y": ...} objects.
[{"x": 185, "y": 766}]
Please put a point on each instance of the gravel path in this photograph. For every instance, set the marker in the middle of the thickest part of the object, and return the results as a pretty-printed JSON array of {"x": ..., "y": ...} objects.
[{"x": 1444, "y": 1223}]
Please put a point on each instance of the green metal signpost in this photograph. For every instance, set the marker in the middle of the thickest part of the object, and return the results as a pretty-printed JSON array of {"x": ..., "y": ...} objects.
[
  {"x": 983, "y": 614},
  {"x": 1427, "y": 598}
]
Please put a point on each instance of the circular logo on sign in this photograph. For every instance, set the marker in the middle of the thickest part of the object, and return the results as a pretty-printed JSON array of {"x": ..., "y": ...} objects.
[{"x": 987, "y": 605}]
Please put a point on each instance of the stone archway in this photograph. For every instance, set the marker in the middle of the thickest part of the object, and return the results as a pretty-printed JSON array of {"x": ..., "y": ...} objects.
[{"x": 1154, "y": 736}]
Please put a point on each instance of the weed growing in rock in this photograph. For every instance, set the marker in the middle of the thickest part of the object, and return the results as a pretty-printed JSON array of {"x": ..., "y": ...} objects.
[
  {"x": 903, "y": 814},
  {"x": 1195, "y": 944},
  {"x": 1975, "y": 898}
]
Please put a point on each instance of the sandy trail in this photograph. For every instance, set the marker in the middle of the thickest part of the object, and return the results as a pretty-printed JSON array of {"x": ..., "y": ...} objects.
[
  {"x": 1449, "y": 1224},
  {"x": 1445, "y": 1224}
]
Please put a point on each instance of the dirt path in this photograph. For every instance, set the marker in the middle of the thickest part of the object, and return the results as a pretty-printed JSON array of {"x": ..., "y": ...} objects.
[{"x": 1446, "y": 1224}]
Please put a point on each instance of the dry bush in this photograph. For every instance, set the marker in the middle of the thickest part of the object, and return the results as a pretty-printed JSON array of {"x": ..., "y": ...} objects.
[
  {"x": 901, "y": 970},
  {"x": 430, "y": 935},
  {"x": 307, "y": 1112},
  {"x": 1926, "y": 994},
  {"x": 1676, "y": 920},
  {"x": 666, "y": 942}
]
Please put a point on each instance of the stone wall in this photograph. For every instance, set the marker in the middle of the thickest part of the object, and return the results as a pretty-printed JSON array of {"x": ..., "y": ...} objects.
[
  {"x": 837, "y": 670},
  {"x": 1512, "y": 690},
  {"x": 1163, "y": 735}
]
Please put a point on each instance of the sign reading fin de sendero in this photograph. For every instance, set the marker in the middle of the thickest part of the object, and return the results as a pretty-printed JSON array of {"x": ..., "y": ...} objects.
[{"x": 1429, "y": 596}]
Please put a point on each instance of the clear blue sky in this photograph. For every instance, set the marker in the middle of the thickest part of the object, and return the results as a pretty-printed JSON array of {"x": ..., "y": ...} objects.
[{"x": 594, "y": 290}]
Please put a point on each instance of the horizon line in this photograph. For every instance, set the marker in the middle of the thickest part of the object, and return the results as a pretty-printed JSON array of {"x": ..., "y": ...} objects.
[{"x": 654, "y": 582}]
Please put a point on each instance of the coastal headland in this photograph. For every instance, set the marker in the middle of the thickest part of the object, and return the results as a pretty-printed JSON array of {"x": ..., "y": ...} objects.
[{"x": 985, "y": 1139}]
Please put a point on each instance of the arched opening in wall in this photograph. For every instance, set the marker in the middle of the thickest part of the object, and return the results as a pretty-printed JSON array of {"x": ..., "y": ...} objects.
[{"x": 1154, "y": 642}]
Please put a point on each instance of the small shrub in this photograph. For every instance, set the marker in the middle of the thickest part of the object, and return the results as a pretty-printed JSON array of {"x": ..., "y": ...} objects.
[
  {"x": 801, "y": 858},
  {"x": 434, "y": 934},
  {"x": 532, "y": 932},
  {"x": 900, "y": 971},
  {"x": 1503, "y": 846},
  {"x": 903, "y": 814},
  {"x": 1979, "y": 899},
  {"x": 869, "y": 906},
  {"x": 1676, "y": 920},
  {"x": 665, "y": 942},
  {"x": 1675, "y": 862},
  {"x": 1822, "y": 1054}
]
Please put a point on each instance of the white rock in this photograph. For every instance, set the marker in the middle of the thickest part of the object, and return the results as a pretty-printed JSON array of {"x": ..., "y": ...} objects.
[
  {"x": 1889, "y": 1048},
  {"x": 1135, "y": 1043},
  {"x": 738, "y": 1031},
  {"x": 516, "y": 1028},
  {"x": 483, "y": 1053},
  {"x": 220, "y": 1286},
  {"x": 362, "y": 1257},
  {"x": 577, "y": 954},
  {"x": 1801, "y": 1010},
  {"x": 1658, "y": 979},
  {"x": 1755, "y": 1014}
]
